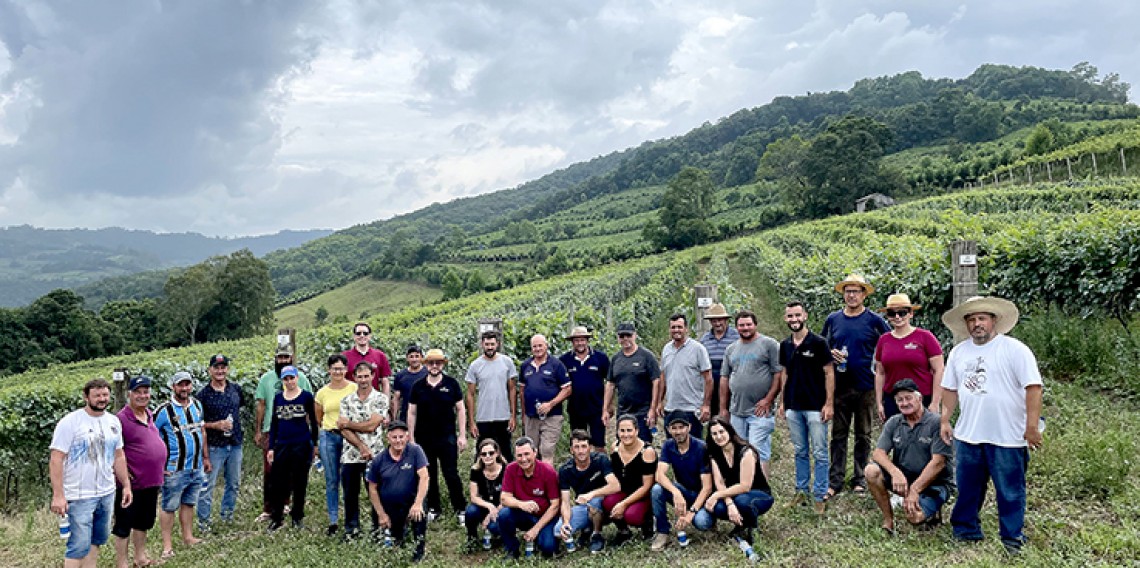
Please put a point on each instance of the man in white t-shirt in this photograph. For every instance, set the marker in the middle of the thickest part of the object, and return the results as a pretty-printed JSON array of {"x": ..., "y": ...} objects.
[
  {"x": 86, "y": 459},
  {"x": 997, "y": 381},
  {"x": 492, "y": 395}
]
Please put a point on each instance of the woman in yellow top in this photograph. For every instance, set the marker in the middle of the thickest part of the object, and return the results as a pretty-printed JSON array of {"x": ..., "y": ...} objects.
[{"x": 328, "y": 410}]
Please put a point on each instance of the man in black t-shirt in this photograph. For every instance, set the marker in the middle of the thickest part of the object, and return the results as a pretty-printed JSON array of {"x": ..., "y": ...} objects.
[
  {"x": 589, "y": 475},
  {"x": 635, "y": 375},
  {"x": 809, "y": 392},
  {"x": 439, "y": 399},
  {"x": 403, "y": 381}
]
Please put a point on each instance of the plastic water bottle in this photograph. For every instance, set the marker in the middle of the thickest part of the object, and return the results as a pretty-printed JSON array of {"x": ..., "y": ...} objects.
[
  {"x": 746, "y": 549},
  {"x": 571, "y": 544},
  {"x": 317, "y": 464},
  {"x": 682, "y": 539},
  {"x": 486, "y": 539},
  {"x": 64, "y": 526},
  {"x": 389, "y": 542},
  {"x": 529, "y": 549},
  {"x": 230, "y": 432},
  {"x": 842, "y": 366}
]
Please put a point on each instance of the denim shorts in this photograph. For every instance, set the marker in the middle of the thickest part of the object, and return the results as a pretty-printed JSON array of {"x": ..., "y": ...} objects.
[
  {"x": 182, "y": 488},
  {"x": 90, "y": 524}
]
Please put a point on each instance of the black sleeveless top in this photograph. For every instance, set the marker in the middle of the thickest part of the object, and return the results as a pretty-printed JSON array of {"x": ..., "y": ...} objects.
[
  {"x": 631, "y": 475},
  {"x": 731, "y": 473}
]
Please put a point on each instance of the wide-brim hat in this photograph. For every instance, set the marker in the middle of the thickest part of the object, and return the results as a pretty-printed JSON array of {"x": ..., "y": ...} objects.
[
  {"x": 435, "y": 355},
  {"x": 579, "y": 331},
  {"x": 716, "y": 311},
  {"x": 1004, "y": 311},
  {"x": 896, "y": 301},
  {"x": 856, "y": 280}
]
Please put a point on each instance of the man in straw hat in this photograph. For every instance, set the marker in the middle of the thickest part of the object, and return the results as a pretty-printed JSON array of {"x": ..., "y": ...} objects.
[
  {"x": 588, "y": 369},
  {"x": 438, "y": 400},
  {"x": 997, "y": 381},
  {"x": 852, "y": 334},
  {"x": 719, "y": 336}
]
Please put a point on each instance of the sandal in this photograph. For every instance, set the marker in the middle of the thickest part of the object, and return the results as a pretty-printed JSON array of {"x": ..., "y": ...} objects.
[
  {"x": 166, "y": 555},
  {"x": 829, "y": 495},
  {"x": 859, "y": 490}
]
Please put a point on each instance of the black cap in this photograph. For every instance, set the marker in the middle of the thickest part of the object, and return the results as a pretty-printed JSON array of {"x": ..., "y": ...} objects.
[
  {"x": 413, "y": 348},
  {"x": 626, "y": 327},
  {"x": 219, "y": 359},
  {"x": 139, "y": 381},
  {"x": 397, "y": 425},
  {"x": 904, "y": 385},
  {"x": 676, "y": 416}
]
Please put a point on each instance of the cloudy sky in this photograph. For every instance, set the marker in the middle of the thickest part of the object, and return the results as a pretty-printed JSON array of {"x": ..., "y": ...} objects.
[{"x": 235, "y": 118}]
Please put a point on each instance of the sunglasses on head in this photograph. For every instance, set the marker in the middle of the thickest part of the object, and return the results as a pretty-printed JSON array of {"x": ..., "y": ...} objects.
[{"x": 897, "y": 313}]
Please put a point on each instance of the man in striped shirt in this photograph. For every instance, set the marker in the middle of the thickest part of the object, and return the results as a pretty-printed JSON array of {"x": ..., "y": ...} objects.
[{"x": 179, "y": 422}]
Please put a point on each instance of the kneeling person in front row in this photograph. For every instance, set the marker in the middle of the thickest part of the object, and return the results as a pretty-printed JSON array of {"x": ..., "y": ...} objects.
[
  {"x": 742, "y": 492},
  {"x": 530, "y": 501},
  {"x": 590, "y": 476},
  {"x": 397, "y": 485},
  {"x": 691, "y": 484},
  {"x": 920, "y": 467}
]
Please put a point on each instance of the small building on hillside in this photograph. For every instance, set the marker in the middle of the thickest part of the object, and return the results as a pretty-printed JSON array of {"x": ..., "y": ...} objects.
[{"x": 877, "y": 201}]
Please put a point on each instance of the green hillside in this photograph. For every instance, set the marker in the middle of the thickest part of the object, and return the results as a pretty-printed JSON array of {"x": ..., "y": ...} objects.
[{"x": 356, "y": 300}]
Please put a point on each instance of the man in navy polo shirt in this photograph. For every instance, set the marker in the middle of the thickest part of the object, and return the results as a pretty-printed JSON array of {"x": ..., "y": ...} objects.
[
  {"x": 397, "y": 486},
  {"x": 588, "y": 369},
  {"x": 544, "y": 386}
]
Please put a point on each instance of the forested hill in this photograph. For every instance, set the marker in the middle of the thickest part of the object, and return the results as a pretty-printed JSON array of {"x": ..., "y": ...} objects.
[{"x": 34, "y": 261}]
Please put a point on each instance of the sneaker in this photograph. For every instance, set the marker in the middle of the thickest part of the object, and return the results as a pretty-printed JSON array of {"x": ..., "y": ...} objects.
[
  {"x": 331, "y": 531},
  {"x": 273, "y": 526},
  {"x": 799, "y": 499},
  {"x": 597, "y": 543},
  {"x": 263, "y": 517},
  {"x": 660, "y": 541},
  {"x": 621, "y": 538},
  {"x": 298, "y": 524},
  {"x": 584, "y": 537},
  {"x": 350, "y": 535}
]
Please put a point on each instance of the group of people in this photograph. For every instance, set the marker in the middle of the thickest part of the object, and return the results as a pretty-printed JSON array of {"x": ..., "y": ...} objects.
[{"x": 717, "y": 397}]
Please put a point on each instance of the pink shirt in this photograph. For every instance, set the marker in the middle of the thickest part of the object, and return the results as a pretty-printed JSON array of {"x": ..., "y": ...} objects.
[
  {"x": 379, "y": 360},
  {"x": 908, "y": 358}
]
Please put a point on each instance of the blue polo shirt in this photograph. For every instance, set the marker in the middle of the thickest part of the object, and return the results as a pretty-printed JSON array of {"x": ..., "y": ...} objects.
[
  {"x": 716, "y": 347},
  {"x": 542, "y": 384},
  {"x": 588, "y": 378}
]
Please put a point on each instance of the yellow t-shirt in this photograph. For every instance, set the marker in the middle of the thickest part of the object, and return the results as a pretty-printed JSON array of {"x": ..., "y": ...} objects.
[{"x": 329, "y": 399}]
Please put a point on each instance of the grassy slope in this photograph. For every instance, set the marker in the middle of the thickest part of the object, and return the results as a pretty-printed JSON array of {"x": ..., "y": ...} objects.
[{"x": 363, "y": 295}]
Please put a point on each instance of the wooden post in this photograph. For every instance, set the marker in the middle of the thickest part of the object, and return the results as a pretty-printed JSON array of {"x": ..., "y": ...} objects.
[
  {"x": 964, "y": 263},
  {"x": 1028, "y": 173},
  {"x": 1123, "y": 164},
  {"x": 1069, "y": 164},
  {"x": 1094, "y": 163},
  {"x": 1049, "y": 171},
  {"x": 704, "y": 296},
  {"x": 287, "y": 339},
  {"x": 491, "y": 324},
  {"x": 571, "y": 314},
  {"x": 119, "y": 380}
]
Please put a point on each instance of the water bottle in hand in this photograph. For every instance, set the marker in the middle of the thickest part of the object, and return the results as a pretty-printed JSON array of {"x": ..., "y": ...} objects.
[
  {"x": 64, "y": 526},
  {"x": 229, "y": 431},
  {"x": 317, "y": 464},
  {"x": 842, "y": 366}
]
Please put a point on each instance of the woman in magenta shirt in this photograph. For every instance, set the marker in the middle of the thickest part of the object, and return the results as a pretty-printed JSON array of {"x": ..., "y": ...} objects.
[{"x": 906, "y": 352}]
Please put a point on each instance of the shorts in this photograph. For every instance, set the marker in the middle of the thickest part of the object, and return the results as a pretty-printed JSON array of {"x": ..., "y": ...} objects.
[
  {"x": 140, "y": 515},
  {"x": 182, "y": 488},
  {"x": 90, "y": 524}
]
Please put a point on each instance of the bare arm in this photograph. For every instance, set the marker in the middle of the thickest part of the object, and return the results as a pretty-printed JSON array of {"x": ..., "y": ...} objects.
[
  {"x": 369, "y": 425},
  {"x": 259, "y": 411},
  {"x": 470, "y": 396},
  {"x": 512, "y": 395},
  {"x": 829, "y": 387},
  {"x": 937, "y": 368},
  {"x": 394, "y": 411},
  {"x": 1033, "y": 394},
  {"x": 123, "y": 476},
  {"x": 461, "y": 420},
  {"x": 607, "y": 403},
  {"x": 55, "y": 474},
  {"x": 725, "y": 395},
  {"x": 949, "y": 405}
]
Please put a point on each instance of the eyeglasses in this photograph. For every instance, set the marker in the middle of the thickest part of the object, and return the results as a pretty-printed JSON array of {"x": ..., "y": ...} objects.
[
  {"x": 487, "y": 454},
  {"x": 362, "y": 333},
  {"x": 897, "y": 313},
  {"x": 625, "y": 335}
]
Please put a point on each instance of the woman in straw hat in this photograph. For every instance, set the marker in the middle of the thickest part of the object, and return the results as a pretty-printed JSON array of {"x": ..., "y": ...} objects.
[{"x": 907, "y": 352}]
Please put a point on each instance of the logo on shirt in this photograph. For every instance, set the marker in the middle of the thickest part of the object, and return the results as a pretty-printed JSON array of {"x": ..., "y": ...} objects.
[
  {"x": 911, "y": 346},
  {"x": 444, "y": 389},
  {"x": 593, "y": 367},
  {"x": 546, "y": 372},
  {"x": 635, "y": 364},
  {"x": 539, "y": 492},
  {"x": 809, "y": 354},
  {"x": 976, "y": 376},
  {"x": 406, "y": 466}
]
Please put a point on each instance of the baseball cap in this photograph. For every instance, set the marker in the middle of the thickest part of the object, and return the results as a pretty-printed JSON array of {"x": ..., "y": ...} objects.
[
  {"x": 676, "y": 416},
  {"x": 288, "y": 371},
  {"x": 219, "y": 359},
  {"x": 904, "y": 385},
  {"x": 397, "y": 425},
  {"x": 180, "y": 376},
  {"x": 139, "y": 381},
  {"x": 626, "y": 327}
]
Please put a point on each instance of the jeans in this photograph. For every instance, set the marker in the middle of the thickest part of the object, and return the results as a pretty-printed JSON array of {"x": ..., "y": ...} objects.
[
  {"x": 858, "y": 407},
  {"x": 662, "y": 499},
  {"x": 473, "y": 519},
  {"x": 751, "y": 505},
  {"x": 579, "y": 516},
  {"x": 758, "y": 431},
  {"x": 351, "y": 475},
  {"x": 513, "y": 520},
  {"x": 331, "y": 444},
  {"x": 90, "y": 524},
  {"x": 977, "y": 463},
  {"x": 226, "y": 461},
  {"x": 182, "y": 488},
  {"x": 290, "y": 479},
  {"x": 497, "y": 431},
  {"x": 443, "y": 455},
  {"x": 807, "y": 431}
]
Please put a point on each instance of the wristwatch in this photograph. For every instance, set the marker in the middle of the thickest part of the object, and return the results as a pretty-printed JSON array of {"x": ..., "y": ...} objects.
[{"x": 693, "y": 509}]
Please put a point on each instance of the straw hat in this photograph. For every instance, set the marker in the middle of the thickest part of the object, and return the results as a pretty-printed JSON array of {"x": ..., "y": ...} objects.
[
  {"x": 1004, "y": 311},
  {"x": 579, "y": 331},
  {"x": 435, "y": 355},
  {"x": 896, "y": 301},
  {"x": 855, "y": 280},
  {"x": 716, "y": 311}
]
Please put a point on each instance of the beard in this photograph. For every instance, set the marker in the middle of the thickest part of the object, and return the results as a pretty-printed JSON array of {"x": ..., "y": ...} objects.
[
  {"x": 795, "y": 326},
  {"x": 277, "y": 366},
  {"x": 98, "y": 406}
]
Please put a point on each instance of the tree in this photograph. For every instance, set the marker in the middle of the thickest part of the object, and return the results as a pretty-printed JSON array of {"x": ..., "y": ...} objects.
[
  {"x": 189, "y": 297},
  {"x": 245, "y": 299},
  {"x": 136, "y": 321},
  {"x": 685, "y": 208},
  {"x": 452, "y": 285},
  {"x": 322, "y": 315}
]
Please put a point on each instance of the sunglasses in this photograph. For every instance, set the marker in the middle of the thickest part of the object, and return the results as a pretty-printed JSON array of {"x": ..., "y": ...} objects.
[
  {"x": 362, "y": 333},
  {"x": 897, "y": 313},
  {"x": 625, "y": 335},
  {"x": 489, "y": 454}
]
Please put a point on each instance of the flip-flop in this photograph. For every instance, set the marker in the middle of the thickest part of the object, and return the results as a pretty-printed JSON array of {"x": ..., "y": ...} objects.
[
  {"x": 859, "y": 490},
  {"x": 167, "y": 555},
  {"x": 829, "y": 495}
]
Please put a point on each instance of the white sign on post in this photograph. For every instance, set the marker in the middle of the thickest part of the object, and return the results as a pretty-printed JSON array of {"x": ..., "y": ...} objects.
[
  {"x": 118, "y": 376},
  {"x": 704, "y": 303},
  {"x": 485, "y": 327},
  {"x": 968, "y": 260}
]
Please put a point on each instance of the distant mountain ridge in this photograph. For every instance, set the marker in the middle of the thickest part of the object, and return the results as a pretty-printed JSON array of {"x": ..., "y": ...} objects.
[{"x": 34, "y": 261}]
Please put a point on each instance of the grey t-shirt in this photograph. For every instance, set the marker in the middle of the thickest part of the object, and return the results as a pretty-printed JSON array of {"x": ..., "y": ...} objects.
[
  {"x": 491, "y": 378},
  {"x": 633, "y": 376},
  {"x": 749, "y": 367},
  {"x": 684, "y": 385},
  {"x": 913, "y": 447}
]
